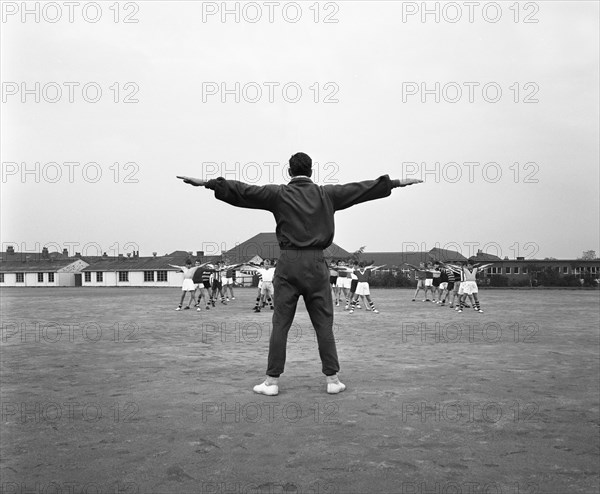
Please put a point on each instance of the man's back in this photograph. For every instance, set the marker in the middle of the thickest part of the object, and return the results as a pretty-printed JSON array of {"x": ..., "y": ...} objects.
[
  {"x": 303, "y": 210},
  {"x": 304, "y": 216}
]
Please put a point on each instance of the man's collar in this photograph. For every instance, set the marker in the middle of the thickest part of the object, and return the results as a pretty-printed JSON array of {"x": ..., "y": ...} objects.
[{"x": 300, "y": 177}]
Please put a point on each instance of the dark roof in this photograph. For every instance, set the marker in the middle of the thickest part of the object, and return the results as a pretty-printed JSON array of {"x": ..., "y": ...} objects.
[
  {"x": 35, "y": 265},
  {"x": 179, "y": 253},
  {"x": 30, "y": 256},
  {"x": 266, "y": 246},
  {"x": 391, "y": 259},
  {"x": 399, "y": 258},
  {"x": 484, "y": 257},
  {"x": 152, "y": 263},
  {"x": 445, "y": 255}
]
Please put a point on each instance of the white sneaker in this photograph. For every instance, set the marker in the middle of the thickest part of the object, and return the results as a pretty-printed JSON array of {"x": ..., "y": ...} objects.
[
  {"x": 335, "y": 387},
  {"x": 178, "y": 308},
  {"x": 266, "y": 389},
  {"x": 199, "y": 309},
  {"x": 376, "y": 311}
]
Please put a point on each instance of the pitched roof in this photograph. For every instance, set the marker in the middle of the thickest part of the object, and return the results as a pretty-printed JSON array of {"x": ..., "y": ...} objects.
[
  {"x": 446, "y": 255},
  {"x": 484, "y": 257},
  {"x": 399, "y": 258},
  {"x": 29, "y": 256},
  {"x": 37, "y": 265},
  {"x": 395, "y": 258},
  {"x": 266, "y": 246},
  {"x": 152, "y": 263}
]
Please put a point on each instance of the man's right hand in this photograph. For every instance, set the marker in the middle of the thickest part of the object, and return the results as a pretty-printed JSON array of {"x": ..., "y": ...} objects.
[{"x": 196, "y": 182}]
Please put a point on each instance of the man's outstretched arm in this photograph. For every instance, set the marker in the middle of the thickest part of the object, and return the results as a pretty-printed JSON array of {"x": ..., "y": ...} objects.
[
  {"x": 403, "y": 182},
  {"x": 238, "y": 193},
  {"x": 196, "y": 182},
  {"x": 346, "y": 195}
]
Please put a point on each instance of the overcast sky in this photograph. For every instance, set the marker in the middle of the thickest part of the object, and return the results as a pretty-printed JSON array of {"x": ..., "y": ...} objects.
[{"x": 496, "y": 108}]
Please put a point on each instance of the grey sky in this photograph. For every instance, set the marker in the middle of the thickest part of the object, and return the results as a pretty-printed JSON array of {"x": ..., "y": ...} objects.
[{"x": 544, "y": 205}]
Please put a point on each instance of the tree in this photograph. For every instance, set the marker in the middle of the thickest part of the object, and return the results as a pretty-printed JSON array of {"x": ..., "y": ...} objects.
[
  {"x": 356, "y": 255},
  {"x": 588, "y": 255},
  {"x": 533, "y": 270}
]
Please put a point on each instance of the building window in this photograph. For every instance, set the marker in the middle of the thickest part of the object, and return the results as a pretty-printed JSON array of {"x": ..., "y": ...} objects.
[
  {"x": 1, "y": 277},
  {"x": 161, "y": 276},
  {"x": 123, "y": 275},
  {"x": 594, "y": 269},
  {"x": 148, "y": 275},
  {"x": 40, "y": 277},
  {"x": 20, "y": 278},
  {"x": 516, "y": 270},
  {"x": 495, "y": 270},
  {"x": 565, "y": 269},
  {"x": 524, "y": 270},
  {"x": 50, "y": 277},
  {"x": 508, "y": 270},
  {"x": 99, "y": 276},
  {"x": 87, "y": 277}
]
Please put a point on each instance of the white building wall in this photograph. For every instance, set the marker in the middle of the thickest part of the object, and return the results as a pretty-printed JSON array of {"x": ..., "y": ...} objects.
[
  {"x": 64, "y": 279},
  {"x": 175, "y": 278},
  {"x": 110, "y": 278},
  {"x": 30, "y": 280},
  {"x": 136, "y": 278},
  {"x": 10, "y": 279},
  {"x": 93, "y": 281}
]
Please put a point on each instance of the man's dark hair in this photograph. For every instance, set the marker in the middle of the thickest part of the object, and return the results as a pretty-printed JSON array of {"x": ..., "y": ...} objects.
[{"x": 300, "y": 164}]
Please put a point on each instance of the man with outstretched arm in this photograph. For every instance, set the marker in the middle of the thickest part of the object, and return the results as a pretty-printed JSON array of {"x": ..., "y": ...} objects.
[{"x": 304, "y": 216}]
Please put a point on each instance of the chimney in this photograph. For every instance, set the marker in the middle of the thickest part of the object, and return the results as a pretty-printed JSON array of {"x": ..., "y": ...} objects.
[
  {"x": 200, "y": 253},
  {"x": 520, "y": 258},
  {"x": 45, "y": 254},
  {"x": 10, "y": 250},
  {"x": 104, "y": 255},
  {"x": 65, "y": 253}
]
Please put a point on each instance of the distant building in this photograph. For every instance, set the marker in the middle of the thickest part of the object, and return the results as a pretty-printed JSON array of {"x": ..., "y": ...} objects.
[
  {"x": 39, "y": 270},
  {"x": 521, "y": 268},
  {"x": 138, "y": 271},
  {"x": 398, "y": 262},
  {"x": 59, "y": 269}
]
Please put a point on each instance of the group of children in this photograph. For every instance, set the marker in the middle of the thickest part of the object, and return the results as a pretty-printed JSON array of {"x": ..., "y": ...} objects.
[
  {"x": 215, "y": 281},
  {"x": 208, "y": 281},
  {"x": 349, "y": 282},
  {"x": 455, "y": 282}
]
